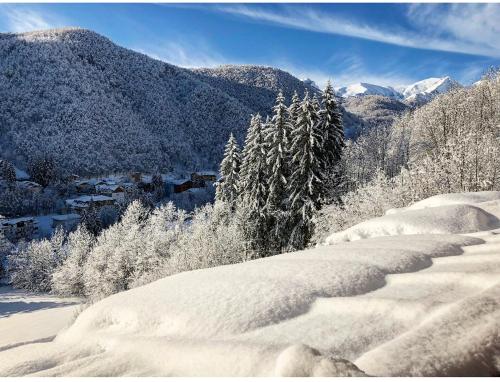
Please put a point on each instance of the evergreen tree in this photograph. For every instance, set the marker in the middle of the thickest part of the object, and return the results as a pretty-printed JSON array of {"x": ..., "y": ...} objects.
[
  {"x": 306, "y": 182},
  {"x": 42, "y": 170},
  {"x": 158, "y": 186},
  {"x": 227, "y": 189},
  {"x": 90, "y": 220},
  {"x": 294, "y": 108},
  {"x": 253, "y": 188},
  {"x": 7, "y": 172},
  {"x": 330, "y": 121},
  {"x": 277, "y": 139}
]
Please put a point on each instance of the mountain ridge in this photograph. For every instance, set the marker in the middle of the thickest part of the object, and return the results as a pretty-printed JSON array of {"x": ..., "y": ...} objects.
[{"x": 417, "y": 93}]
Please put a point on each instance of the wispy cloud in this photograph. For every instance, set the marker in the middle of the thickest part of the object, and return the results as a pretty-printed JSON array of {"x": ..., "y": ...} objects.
[
  {"x": 451, "y": 36},
  {"x": 184, "y": 54},
  {"x": 23, "y": 19}
]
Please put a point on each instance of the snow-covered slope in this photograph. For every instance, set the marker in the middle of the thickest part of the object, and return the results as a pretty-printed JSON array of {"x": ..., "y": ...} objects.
[
  {"x": 423, "y": 91},
  {"x": 417, "y": 93},
  {"x": 363, "y": 88},
  {"x": 399, "y": 305},
  {"x": 98, "y": 108},
  {"x": 30, "y": 318}
]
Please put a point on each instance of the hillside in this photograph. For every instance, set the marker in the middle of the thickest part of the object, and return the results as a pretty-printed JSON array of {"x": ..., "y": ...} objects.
[
  {"x": 412, "y": 293},
  {"x": 97, "y": 107},
  {"x": 375, "y": 110}
]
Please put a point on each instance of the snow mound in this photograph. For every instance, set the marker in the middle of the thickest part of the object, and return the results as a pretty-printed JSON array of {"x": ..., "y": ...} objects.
[
  {"x": 303, "y": 361},
  {"x": 462, "y": 341},
  {"x": 457, "y": 198},
  {"x": 212, "y": 318},
  {"x": 444, "y": 219},
  {"x": 394, "y": 305}
]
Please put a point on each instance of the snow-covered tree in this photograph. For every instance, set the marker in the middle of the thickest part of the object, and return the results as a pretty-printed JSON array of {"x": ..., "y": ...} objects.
[
  {"x": 7, "y": 171},
  {"x": 42, "y": 170},
  {"x": 110, "y": 266},
  {"x": 294, "y": 108},
  {"x": 330, "y": 120},
  {"x": 31, "y": 267},
  {"x": 67, "y": 280},
  {"x": 213, "y": 238},
  {"x": 227, "y": 188},
  {"x": 254, "y": 188},
  {"x": 277, "y": 137},
  {"x": 305, "y": 188},
  {"x": 91, "y": 221},
  {"x": 158, "y": 186}
]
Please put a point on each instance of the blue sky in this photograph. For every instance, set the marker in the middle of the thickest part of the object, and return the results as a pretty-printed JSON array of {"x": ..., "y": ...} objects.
[{"x": 386, "y": 44}]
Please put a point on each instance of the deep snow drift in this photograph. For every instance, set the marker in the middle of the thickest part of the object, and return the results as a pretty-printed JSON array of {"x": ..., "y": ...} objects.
[{"x": 403, "y": 295}]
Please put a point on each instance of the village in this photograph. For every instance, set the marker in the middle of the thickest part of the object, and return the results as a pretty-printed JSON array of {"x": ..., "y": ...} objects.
[{"x": 81, "y": 195}]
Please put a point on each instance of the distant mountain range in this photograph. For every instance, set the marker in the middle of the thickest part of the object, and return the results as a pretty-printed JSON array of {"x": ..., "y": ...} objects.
[
  {"x": 97, "y": 108},
  {"x": 418, "y": 93}
]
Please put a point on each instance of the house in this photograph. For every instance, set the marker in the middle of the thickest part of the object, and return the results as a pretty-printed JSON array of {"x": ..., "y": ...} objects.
[
  {"x": 182, "y": 185},
  {"x": 29, "y": 186},
  {"x": 116, "y": 191},
  {"x": 73, "y": 178},
  {"x": 24, "y": 228},
  {"x": 85, "y": 186},
  {"x": 200, "y": 178},
  {"x": 67, "y": 222},
  {"x": 82, "y": 203}
]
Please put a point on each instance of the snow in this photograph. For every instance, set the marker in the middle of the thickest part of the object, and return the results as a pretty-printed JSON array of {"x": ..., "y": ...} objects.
[
  {"x": 429, "y": 86},
  {"x": 363, "y": 88},
  {"x": 403, "y": 304},
  {"x": 30, "y": 318},
  {"x": 21, "y": 174},
  {"x": 447, "y": 218}
]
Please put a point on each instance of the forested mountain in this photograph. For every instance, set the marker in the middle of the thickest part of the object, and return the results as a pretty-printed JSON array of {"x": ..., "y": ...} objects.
[
  {"x": 254, "y": 85},
  {"x": 97, "y": 107},
  {"x": 375, "y": 110}
]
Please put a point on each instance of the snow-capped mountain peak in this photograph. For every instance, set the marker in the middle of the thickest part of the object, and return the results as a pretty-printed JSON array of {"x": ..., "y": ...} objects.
[
  {"x": 433, "y": 85},
  {"x": 363, "y": 88},
  {"x": 417, "y": 93}
]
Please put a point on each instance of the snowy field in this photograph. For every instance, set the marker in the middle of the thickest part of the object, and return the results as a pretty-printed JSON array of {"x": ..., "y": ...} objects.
[
  {"x": 31, "y": 318},
  {"x": 413, "y": 293}
]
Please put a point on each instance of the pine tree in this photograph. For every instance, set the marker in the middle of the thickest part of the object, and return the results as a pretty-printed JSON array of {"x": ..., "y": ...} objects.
[
  {"x": 330, "y": 121},
  {"x": 306, "y": 182},
  {"x": 7, "y": 172},
  {"x": 277, "y": 140},
  {"x": 294, "y": 108},
  {"x": 42, "y": 170},
  {"x": 227, "y": 189},
  {"x": 253, "y": 188},
  {"x": 158, "y": 186},
  {"x": 90, "y": 220}
]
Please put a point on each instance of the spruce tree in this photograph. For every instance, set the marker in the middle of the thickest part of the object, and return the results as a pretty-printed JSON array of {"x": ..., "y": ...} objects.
[
  {"x": 331, "y": 124},
  {"x": 294, "y": 108},
  {"x": 227, "y": 189},
  {"x": 7, "y": 172},
  {"x": 277, "y": 139},
  {"x": 253, "y": 188},
  {"x": 333, "y": 132},
  {"x": 306, "y": 182}
]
